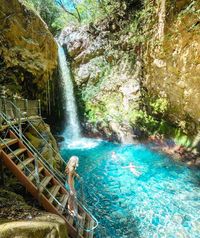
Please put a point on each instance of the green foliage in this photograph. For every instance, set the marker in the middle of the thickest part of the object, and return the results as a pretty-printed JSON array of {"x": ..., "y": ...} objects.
[
  {"x": 58, "y": 13},
  {"x": 142, "y": 23},
  {"x": 109, "y": 108},
  {"x": 54, "y": 17},
  {"x": 95, "y": 113},
  {"x": 90, "y": 11},
  {"x": 159, "y": 106},
  {"x": 180, "y": 138},
  {"x": 144, "y": 121},
  {"x": 150, "y": 122}
]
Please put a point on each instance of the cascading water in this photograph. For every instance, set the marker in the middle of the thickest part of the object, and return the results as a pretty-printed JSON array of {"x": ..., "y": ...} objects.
[{"x": 72, "y": 130}]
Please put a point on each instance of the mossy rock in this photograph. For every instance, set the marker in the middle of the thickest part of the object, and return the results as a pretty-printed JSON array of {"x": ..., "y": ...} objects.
[
  {"x": 36, "y": 142},
  {"x": 46, "y": 226}
]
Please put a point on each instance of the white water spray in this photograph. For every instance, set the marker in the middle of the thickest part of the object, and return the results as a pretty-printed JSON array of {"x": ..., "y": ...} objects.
[{"x": 72, "y": 130}]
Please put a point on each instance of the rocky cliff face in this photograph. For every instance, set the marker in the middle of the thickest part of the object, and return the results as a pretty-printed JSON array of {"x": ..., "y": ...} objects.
[
  {"x": 140, "y": 77},
  {"x": 28, "y": 52},
  {"x": 172, "y": 62},
  {"x": 107, "y": 81},
  {"x": 28, "y": 58}
]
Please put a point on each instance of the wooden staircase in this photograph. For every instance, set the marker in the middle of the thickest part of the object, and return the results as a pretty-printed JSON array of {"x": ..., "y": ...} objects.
[{"x": 42, "y": 183}]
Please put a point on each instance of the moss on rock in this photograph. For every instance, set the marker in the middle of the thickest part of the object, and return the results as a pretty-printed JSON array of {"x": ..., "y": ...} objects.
[
  {"x": 45, "y": 226},
  {"x": 28, "y": 52}
]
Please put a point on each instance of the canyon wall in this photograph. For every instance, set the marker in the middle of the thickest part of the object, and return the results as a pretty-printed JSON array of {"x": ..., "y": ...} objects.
[
  {"x": 28, "y": 52},
  {"x": 139, "y": 76}
]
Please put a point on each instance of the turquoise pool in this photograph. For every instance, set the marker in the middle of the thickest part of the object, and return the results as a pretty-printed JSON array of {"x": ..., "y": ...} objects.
[{"x": 164, "y": 201}]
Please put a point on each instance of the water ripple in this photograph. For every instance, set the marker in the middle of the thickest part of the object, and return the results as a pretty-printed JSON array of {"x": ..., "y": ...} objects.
[{"x": 162, "y": 202}]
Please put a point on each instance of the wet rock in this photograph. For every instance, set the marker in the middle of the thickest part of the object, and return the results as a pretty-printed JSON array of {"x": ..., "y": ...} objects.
[
  {"x": 124, "y": 132},
  {"x": 197, "y": 162},
  {"x": 81, "y": 45}
]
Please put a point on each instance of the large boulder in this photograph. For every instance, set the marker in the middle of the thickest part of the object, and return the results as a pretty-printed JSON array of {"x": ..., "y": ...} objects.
[
  {"x": 45, "y": 226},
  {"x": 28, "y": 52}
]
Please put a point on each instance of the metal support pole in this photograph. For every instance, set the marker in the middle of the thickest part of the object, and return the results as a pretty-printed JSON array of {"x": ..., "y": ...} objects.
[
  {"x": 1, "y": 109},
  {"x": 14, "y": 108},
  {"x": 26, "y": 107},
  {"x": 37, "y": 177},
  {"x": 50, "y": 155},
  {"x": 1, "y": 173},
  {"x": 19, "y": 124},
  {"x": 39, "y": 107},
  {"x": 4, "y": 105}
]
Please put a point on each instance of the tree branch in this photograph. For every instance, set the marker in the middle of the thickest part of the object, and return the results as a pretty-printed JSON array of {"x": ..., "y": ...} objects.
[{"x": 78, "y": 17}]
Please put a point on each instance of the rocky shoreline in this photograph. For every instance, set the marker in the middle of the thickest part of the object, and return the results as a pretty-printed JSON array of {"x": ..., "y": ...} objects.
[
  {"x": 187, "y": 155},
  {"x": 176, "y": 152}
]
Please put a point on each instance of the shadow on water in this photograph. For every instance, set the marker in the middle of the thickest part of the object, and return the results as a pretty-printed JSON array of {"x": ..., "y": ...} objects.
[{"x": 195, "y": 177}]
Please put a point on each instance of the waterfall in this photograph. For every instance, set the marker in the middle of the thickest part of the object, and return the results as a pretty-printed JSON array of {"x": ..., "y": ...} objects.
[{"x": 72, "y": 129}]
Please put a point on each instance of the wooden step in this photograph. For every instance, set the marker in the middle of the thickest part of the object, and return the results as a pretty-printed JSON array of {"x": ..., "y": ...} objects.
[
  {"x": 8, "y": 142},
  {"x": 16, "y": 152},
  {"x": 32, "y": 175},
  {"x": 91, "y": 225},
  {"x": 54, "y": 190},
  {"x": 71, "y": 218},
  {"x": 82, "y": 223},
  {"x": 63, "y": 200},
  {"x": 88, "y": 225},
  {"x": 44, "y": 182},
  {"x": 23, "y": 164}
]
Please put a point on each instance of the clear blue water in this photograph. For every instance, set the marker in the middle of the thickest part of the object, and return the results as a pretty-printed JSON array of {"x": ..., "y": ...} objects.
[{"x": 164, "y": 201}]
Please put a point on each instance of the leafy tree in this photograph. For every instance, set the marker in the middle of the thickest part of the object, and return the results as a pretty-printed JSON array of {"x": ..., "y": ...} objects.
[
  {"x": 66, "y": 4},
  {"x": 57, "y": 13},
  {"x": 50, "y": 12}
]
